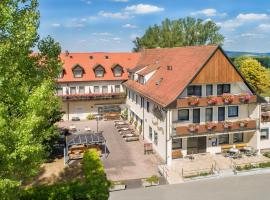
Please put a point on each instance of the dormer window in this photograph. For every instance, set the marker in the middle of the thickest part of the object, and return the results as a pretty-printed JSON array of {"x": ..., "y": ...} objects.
[
  {"x": 61, "y": 73},
  {"x": 99, "y": 71},
  {"x": 77, "y": 71},
  {"x": 117, "y": 70}
]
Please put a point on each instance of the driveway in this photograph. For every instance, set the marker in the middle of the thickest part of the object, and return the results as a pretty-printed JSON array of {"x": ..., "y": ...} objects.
[
  {"x": 252, "y": 187},
  {"x": 126, "y": 160}
]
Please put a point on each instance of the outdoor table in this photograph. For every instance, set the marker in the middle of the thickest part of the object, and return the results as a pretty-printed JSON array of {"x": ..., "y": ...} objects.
[
  {"x": 120, "y": 123},
  {"x": 124, "y": 129},
  {"x": 128, "y": 135},
  {"x": 247, "y": 148}
]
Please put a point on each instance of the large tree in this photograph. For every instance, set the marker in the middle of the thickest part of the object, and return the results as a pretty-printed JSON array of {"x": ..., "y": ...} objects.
[
  {"x": 256, "y": 74},
  {"x": 182, "y": 32},
  {"x": 28, "y": 105}
]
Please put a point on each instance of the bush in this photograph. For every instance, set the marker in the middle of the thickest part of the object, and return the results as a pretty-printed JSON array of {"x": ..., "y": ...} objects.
[
  {"x": 267, "y": 154},
  {"x": 91, "y": 117},
  {"x": 124, "y": 113},
  {"x": 153, "y": 179}
]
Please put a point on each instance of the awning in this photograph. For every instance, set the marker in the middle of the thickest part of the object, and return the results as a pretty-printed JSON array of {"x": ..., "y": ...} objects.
[{"x": 85, "y": 139}]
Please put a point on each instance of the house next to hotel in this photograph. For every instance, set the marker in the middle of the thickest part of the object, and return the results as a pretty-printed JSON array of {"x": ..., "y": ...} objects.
[
  {"x": 92, "y": 82},
  {"x": 190, "y": 100}
]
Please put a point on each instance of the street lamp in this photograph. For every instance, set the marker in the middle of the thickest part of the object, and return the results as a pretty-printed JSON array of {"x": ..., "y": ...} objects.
[{"x": 97, "y": 119}]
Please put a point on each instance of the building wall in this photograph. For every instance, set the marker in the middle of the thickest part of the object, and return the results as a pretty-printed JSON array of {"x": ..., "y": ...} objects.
[{"x": 149, "y": 120}]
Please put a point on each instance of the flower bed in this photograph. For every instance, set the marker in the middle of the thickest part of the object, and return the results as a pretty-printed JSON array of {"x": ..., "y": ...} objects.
[
  {"x": 252, "y": 166},
  {"x": 151, "y": 181}
]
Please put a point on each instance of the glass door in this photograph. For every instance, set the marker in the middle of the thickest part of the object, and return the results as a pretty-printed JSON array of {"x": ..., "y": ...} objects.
[
  {"x": 196, "y": 116},
  {"x": 221, "y": 114}
]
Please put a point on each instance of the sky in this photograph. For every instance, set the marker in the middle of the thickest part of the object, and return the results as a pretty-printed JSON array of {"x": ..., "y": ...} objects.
[{"x": 112, "y": 25}]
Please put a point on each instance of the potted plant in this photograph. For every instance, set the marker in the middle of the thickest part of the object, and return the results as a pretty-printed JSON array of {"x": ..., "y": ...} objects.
[
  {"x": 212, "y": 100},
  {"x": 243, "y": 124},
  {"x": 193, "y": 127},
  {"x": 140, "y": 129},
  {"x": 227, "y": 125},
  {"x": 151, "y": 181},
  {"x": 131, "y": 120},
  {"x": 227, "y": 98},
  {"x": 210, "y": 126},
  {"x": 244, "y": 97},
  {"x": 193, "y": 100},
  {"x": 117, "y": 185}
]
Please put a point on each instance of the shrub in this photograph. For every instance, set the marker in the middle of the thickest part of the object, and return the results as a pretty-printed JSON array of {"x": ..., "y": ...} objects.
[{"x": 153, "y": 179}]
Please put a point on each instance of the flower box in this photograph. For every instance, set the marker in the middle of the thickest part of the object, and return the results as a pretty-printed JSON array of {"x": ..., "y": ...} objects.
[
  {"x": 227, "y": 98},
  {"x": 243, "y": 124},
  {"x": 117, "y": 186},
  {"x": 211, "y": 100},
  {"x": 210, "y": 126},
  {"x": 227, "y": 125},
  {"x": 193, "y": 101},
  {"x": 193, "y": 127},
  {"x": 244, "y": 98}
]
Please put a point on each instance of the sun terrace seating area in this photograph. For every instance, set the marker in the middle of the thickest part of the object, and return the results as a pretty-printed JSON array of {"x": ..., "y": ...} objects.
[{"x": 126, "y": 131}]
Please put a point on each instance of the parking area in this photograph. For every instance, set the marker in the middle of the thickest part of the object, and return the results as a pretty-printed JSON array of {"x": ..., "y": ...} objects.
[{"x": 125, "y": 160}]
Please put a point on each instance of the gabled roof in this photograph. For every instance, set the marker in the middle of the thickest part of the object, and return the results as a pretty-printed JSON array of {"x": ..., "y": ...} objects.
[
  {"x": 166, "y": 85},
  {"x": 88, "y": 60}
]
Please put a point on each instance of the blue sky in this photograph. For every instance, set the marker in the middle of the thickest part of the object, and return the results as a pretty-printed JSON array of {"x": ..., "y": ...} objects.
[{"x": 112, "y": 25}]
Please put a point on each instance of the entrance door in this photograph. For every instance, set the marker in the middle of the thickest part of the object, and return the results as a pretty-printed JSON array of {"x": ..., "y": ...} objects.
[
  {"x": 221, "y": 114},
  {"x": 196, "y": 116},
  {"x": 196, "y": 145}
]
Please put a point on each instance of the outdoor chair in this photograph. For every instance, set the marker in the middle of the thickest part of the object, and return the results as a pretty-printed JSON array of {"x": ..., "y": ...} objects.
[{"x": 131, "y": 139}]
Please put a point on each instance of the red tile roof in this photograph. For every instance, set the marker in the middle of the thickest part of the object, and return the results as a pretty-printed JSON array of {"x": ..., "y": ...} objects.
[
  {"x": 166, "y": 85},
  {"x": 126, "y": 60}
]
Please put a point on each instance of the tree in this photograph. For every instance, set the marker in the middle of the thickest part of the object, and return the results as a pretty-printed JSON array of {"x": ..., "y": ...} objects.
[
  {"x": 256, "y": 75},
  {"x": 28, "y": 105},
  {"x": 95, "y": 176},
  {"x": 182, "y": 32}
]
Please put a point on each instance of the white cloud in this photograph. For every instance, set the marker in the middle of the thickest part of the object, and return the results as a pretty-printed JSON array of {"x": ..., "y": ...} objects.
[
  {"x": 116, "y": 39},
  {"x": 143, "y": 9},
  {"x": 104, "y": 40},
  {"x": 134, "y": 36},
  {"x": 56, "y": 25},
  {"x": 129, "y": 26},
  {"x": 264, "y": 27},
  {"x": 102, "y": 34},
  {"x": 252, "y": 35},
  {"x": 87, "y": 1},
  {"x": 117, "y": 15},
  {"x": 209, "y": 12},
  {"x": 252, "y": 17}
]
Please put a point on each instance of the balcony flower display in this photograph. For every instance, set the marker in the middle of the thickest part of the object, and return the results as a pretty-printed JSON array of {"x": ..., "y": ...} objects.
[
  {"x": 244, "y": 97},
  {"x": 227, "y": 98},
  {"x": 193, "y": 100},
  {"x": 243, "y": 124},
  {"x": 210, "y": 126},
  {"x": 193, "y": 127},
  {"x": 227, "y": 125},
  {"x": 212, "y": 100}
]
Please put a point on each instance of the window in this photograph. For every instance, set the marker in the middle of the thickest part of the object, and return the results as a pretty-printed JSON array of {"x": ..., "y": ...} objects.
[
  {"x": 77, "y": 72},
  {"x": 96, "y": 89},
  {"x": 209, "y": 114},
  {"x": 136, "y": 98},
  {"x": 142, "y": 102},
  {"x": 155, "y": 138},
  {"x": 72, "y": 90},
  {"x": 81, "y": 90},
  {"x": 209, "y": 90},
  {"x": 150, "y": 134},
  {"x": 104, "y": 89},
  {"x": 117, "y": 89},
  {"x": 117, "y": 71},
  {"x": 59, "y": 91},
  {"x": 133, "y": 96},
  {"x": 223, "y": 139},
  {"x": 264, "y": 134},
  {"x": 147, "y": 106},
  {"x": 233, "y": 111},
  {"x": 61, "y": 74},
  {"x": 99, "y": 71},
  {"x": 176, "y": 143},
  {"x": 183, "y": 115},
  {"x": 238, "y": 137},
  {"x": 194, "y": 90},
  {"x": 221, "y": 114},
  {"x": 129, "y": 95},
  {"x": 223, "y": 88}
]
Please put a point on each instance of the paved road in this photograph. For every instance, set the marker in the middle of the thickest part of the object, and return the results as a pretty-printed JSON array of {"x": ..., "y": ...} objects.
[{"x": 252, "y": 187}]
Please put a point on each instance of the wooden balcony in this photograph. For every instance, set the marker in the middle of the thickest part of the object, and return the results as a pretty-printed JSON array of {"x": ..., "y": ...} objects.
[
  {"x": 92, "y": 96},
  {"x": 214, "y": 101},
  {"x": 218, "y": 127}
]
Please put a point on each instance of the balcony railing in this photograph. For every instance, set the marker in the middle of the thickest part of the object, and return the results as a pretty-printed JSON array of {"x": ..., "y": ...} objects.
[
  {"x": 92, "y": 96},
  {"x": 216, "y": 127},
  {"x": 216, "y": 100}
]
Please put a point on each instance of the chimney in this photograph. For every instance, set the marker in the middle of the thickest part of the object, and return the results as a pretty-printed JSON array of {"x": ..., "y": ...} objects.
[{"x": 67, "y": 53}]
